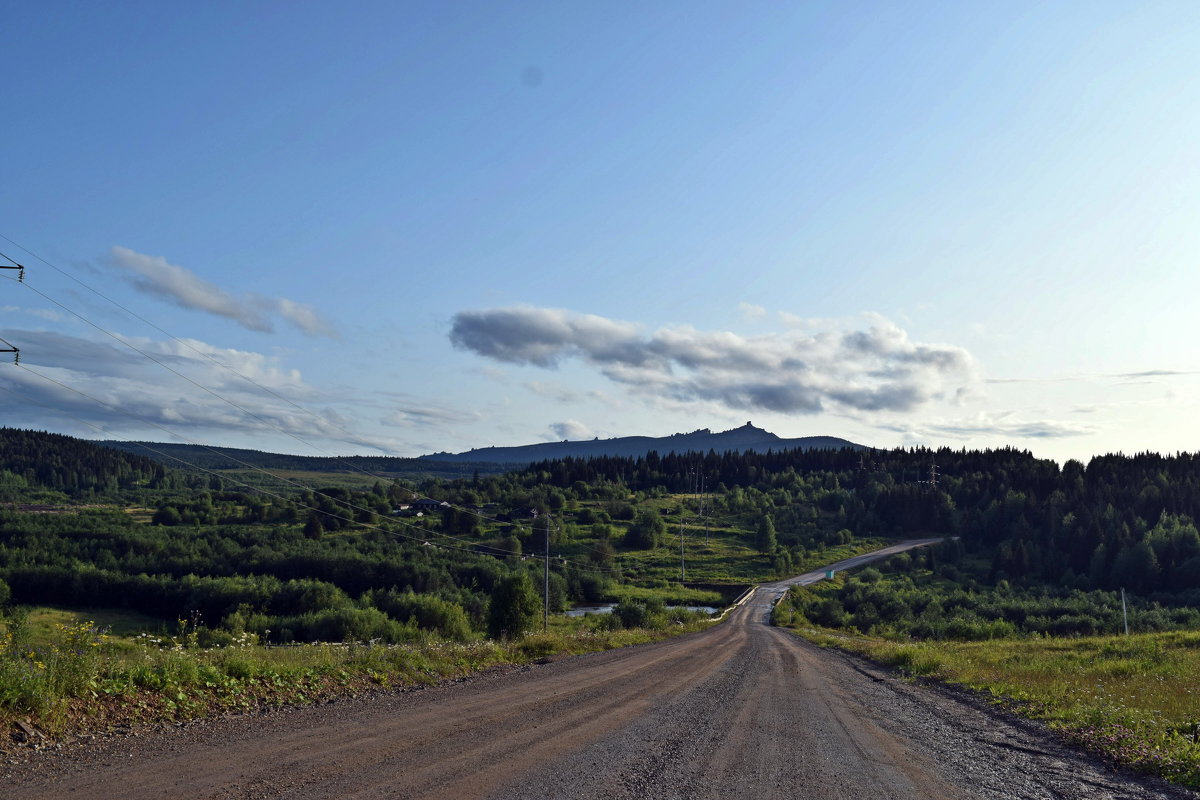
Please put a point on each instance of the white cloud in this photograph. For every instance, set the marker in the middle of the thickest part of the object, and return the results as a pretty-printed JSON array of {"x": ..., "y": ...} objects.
[
  {"x": 553, "y": 391},
  {"x": 47, "y": 314},
  {"x": 874, "y": 369},
  {"x": 751, "y": 311},
  {"x": 155, "y": 275},
  {"x": 428, "y": 415},
  {"x": 998, "y": 425},
  {"x": 124, "y": 393},
  {"x": 303, "y": 317},
  {"x": 571, "y": 429}
]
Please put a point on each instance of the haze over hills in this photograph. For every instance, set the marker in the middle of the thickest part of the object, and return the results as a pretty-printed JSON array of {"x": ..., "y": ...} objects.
[
  {"x": 490, "y": 459},
  {"x": 744, "y": 439}
]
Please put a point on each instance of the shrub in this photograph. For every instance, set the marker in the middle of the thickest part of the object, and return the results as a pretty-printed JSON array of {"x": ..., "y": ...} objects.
[
  {"x": 640, "y": 613},
  {"x": 427, "y": 612},
  {"x": 514, "y": 608},
  {"x": 347, "y": 625}
]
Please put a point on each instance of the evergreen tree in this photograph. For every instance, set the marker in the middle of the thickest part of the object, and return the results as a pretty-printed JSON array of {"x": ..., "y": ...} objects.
[{"x": 764, "y": 536}]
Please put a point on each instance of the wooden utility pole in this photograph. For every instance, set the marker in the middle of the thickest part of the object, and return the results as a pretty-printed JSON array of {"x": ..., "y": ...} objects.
[
  {"x": 546, "y": 583},
  {"x": 682, "y": 565}
]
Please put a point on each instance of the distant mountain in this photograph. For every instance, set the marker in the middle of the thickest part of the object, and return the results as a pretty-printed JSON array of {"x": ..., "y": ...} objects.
[
  {"x": 739, "y": 440},
  {"x": 194, "y": 457},
  {"x": 486, "y": 460}
]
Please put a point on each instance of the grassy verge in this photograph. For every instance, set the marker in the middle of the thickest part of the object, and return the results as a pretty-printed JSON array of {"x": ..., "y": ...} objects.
[
  {"x": 669, "y": 593},
  {"x": 1134, "y": 700},
  {"x": 61, "y": 675},
  {"x": 726, "y": 560}
]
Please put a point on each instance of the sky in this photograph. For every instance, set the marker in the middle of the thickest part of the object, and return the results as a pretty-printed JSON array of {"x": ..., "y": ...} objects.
[{"x": 393, "y": 227}]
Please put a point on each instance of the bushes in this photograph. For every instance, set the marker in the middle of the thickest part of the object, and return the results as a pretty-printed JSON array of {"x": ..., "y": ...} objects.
[
  {"x": 427, "y": 612},
  {"x": 639, "y": 613},
  {"x": 348, "y": 624},
  {"x": 515, "y": 606},
  {"x": 928, "y": 609},
  {"x": 646, "y": 531}
]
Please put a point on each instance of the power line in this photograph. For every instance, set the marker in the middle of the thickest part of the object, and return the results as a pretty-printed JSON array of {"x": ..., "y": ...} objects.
[
  {"x": 213, "y": 393},
  {"x": 212, "y": 360},
  {"x": 177, "y": 340},
  {"x": 424, "y": 539},
  {"x": 197, "y": 444},
  {"x": 427, "y": 534},
  {"x": 11, "y": 348}
]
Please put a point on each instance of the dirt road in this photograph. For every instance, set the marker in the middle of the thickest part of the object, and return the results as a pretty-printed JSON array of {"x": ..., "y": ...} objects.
[{"x": 740, "y": 708}]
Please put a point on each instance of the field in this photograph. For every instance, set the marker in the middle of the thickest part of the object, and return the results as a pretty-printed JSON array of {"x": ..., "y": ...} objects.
[{"x": 290, "y": 481}]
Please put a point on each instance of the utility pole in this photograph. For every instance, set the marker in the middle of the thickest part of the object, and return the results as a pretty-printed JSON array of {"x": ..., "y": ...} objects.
[
  {"x": 682, "y": 565},
  {"x": 546, "y": 582},
  {"x": 9, "y": 347}
]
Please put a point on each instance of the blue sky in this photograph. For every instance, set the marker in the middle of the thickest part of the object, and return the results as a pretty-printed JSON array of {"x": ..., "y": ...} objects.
[{"x": 423, "y": 227}]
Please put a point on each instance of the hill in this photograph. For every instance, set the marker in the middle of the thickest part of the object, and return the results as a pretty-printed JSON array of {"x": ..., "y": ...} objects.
[
  {"x": 188, "y": 457},
  {"x": 485, "y": 460},
  {"x": 78, "y": 468},
  {"x": 746, "y": 439}
]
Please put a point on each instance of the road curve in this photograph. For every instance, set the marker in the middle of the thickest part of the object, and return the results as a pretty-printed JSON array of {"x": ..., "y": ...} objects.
[{"x": 740, "y": 708}]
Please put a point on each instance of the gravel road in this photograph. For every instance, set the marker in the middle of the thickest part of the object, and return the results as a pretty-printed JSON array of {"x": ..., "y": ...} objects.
[{"x": 740, "y": 708}]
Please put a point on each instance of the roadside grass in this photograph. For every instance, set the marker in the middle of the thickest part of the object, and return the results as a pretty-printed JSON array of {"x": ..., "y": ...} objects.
[
  {"x": 65, "y": 675},
  {"x": 1135, "y": 700},
  {"x": 43, "y": 621},
  {"x": 668, "y": 593}
]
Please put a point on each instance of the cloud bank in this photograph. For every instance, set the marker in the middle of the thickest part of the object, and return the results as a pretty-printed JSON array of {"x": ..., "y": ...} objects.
[
  {"x": 104, "y": 384},
  {"x": 571, "y": 429},
  {"x": 155, "y": 276},
  {"x": 992, "y": 425},
  {"x": 871, "y": 370}
]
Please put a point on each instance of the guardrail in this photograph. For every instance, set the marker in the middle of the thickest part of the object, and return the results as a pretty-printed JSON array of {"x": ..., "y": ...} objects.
[
  {"x": 741, "y": 600},
  {"x": 829, "y": 572}
]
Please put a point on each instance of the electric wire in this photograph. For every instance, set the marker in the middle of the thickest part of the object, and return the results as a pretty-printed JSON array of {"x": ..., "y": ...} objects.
[
  {"x": 217, "y": 395},
  {"x": 197, "y": 444},
  {"x": 208, "y": 357},
  {"x": 226, "y": 454},
  {"x": 203, "y": 469},
  {"x": 424, "y": 539},
  {"x": 439, "y": 537}
]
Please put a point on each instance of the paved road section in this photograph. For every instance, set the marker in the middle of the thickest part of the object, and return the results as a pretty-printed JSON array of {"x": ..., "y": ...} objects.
[{"x": 742, "y": 708}]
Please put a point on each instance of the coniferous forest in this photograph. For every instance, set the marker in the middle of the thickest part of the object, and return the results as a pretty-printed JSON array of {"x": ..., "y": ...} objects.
[{"x": 1033, "y": 547}]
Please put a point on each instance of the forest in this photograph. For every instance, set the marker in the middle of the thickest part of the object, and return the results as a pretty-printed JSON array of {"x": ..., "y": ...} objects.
[{"x": 1034, "y": 546}]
